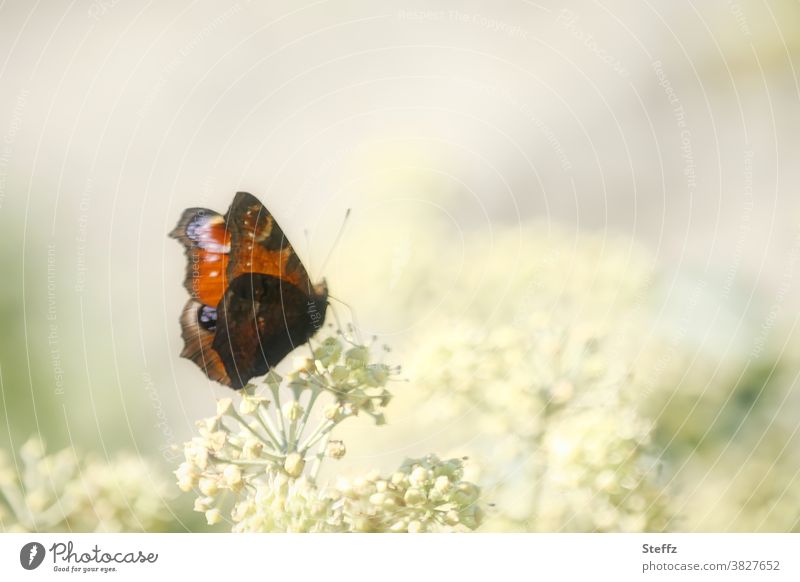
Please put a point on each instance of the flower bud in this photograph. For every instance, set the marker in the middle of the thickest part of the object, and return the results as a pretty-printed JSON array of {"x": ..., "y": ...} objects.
[
  {"x": 248, "y": 405},
  {"x": 398, "y": 477},
  {"x": 377, "y": 375},
  {"x": 340, "y": 373},
  {"x": 345, "y": 487},
  {"x": 306, "y": 365},
  {"x": 32, "y": 449},
  {"x": 216, "y": 440},
  {"x": 377, "y": 499},
  {"x": 232, "y": 477},
  {"x": 187, "y": 476},
  {"x": 442, "y": 484},
  {"x": 294, "y": 464},
  {"x": 203, "y": 504},
  {"x": 252, "y": 448},
  {"x": 418, "y": 477},
  {"x": 414, "y": 496},
  {"x": 329, "y": 352},
  {"x": 241, "y": 510},
  {"x": 208, "y": 487},
  {"x": 334, "y": 412},
  {"x": 335, "y": 449},
  {"x": 213, "y": 516},
  {"x": 357, "y": 357},
  {"x": 451, "y": 518},
  {"x": 293, "y": 410}
]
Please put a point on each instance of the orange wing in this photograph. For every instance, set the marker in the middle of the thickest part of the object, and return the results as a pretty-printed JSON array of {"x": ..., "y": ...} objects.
[
  {"x": 259, "y": 245},
  {"x": 208, "y": 244},
  {"x": 243, "y": 272}
]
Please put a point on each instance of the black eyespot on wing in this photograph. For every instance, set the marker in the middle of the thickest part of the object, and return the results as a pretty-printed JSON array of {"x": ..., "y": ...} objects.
[
  {"x": 238, "y": 331},
  {"x": 207, "y": 317},
  {"x": 197, "y": 343}
]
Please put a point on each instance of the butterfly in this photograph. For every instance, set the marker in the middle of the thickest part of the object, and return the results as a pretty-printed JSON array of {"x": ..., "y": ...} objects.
[{"x": 251, "y": 300}]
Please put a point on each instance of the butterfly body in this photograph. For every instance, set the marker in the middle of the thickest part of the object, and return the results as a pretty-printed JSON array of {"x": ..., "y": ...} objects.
[{"x": 252, "y": 301}]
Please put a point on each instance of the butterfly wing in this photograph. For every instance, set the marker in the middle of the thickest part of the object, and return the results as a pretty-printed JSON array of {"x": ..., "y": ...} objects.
[
  {"x": 198, "y": 329},
  {"x": 270, "y": 306},
  {"x": 251, "y": 298},
  {"x": 261, "y": 319},
  {"x": 207, "y": 242},
  {"x": 260, "y": 246}
]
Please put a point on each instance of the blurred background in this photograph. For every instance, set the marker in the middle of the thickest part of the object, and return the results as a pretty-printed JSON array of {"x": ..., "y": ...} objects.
[{"x": 522, "y": 175}]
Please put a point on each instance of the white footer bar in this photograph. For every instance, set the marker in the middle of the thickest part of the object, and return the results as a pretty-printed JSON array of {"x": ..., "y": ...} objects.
[{"x": 410, "y": 558}]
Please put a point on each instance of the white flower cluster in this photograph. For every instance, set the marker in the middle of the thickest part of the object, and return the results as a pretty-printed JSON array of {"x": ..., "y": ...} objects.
[
  {"x": 61, "y": 492},
  {"x": 266, "y": 455},
  {"x": 550, "y": 394},
  {"x": 562, "y": 444},
  {"x": 422, "y": 495}
]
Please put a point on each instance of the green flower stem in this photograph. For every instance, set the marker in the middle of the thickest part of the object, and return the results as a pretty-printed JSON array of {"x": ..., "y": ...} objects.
[
  {"x": 321, "y": 431},
  {"x": 292, "y": 440},
  {"x": 269, "y": 430},
  {"x": 235, "y": 414},
  {"x": 244, "y": 463},
  {"x": 315, "y": 392},
  {"x": 279, "y": 413},
  {"x": 317, "y": 465}
]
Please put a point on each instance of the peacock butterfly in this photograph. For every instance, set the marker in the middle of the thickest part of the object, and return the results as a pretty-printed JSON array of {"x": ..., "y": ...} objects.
[{"x": 252, "y": 301}]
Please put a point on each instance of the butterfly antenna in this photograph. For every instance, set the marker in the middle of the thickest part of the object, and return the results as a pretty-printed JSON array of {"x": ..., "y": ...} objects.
[
  {"x": 335, "y": 241},
  {"x": 356, "y": 328}
]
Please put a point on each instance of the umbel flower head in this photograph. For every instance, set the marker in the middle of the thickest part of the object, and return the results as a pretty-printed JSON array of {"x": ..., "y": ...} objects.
[
  {"x": 64, "y": 492},
  {"x": 265, "y": 452},
  {"x": 556, "y": 383},
  {"x": 421, "y": 495}
]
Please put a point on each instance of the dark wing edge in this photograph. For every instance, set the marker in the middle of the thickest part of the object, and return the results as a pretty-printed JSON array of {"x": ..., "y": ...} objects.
[
  {"x": 248, "y": 216},
  {"x": 251, "y": 222},
  {"x": 197, "y": 344}
]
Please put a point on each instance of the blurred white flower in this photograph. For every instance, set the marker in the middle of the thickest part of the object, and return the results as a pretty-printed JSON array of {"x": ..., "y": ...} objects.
[
  {"x": 551, "y": 368},
  {"x": 62, "y": 492}
]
